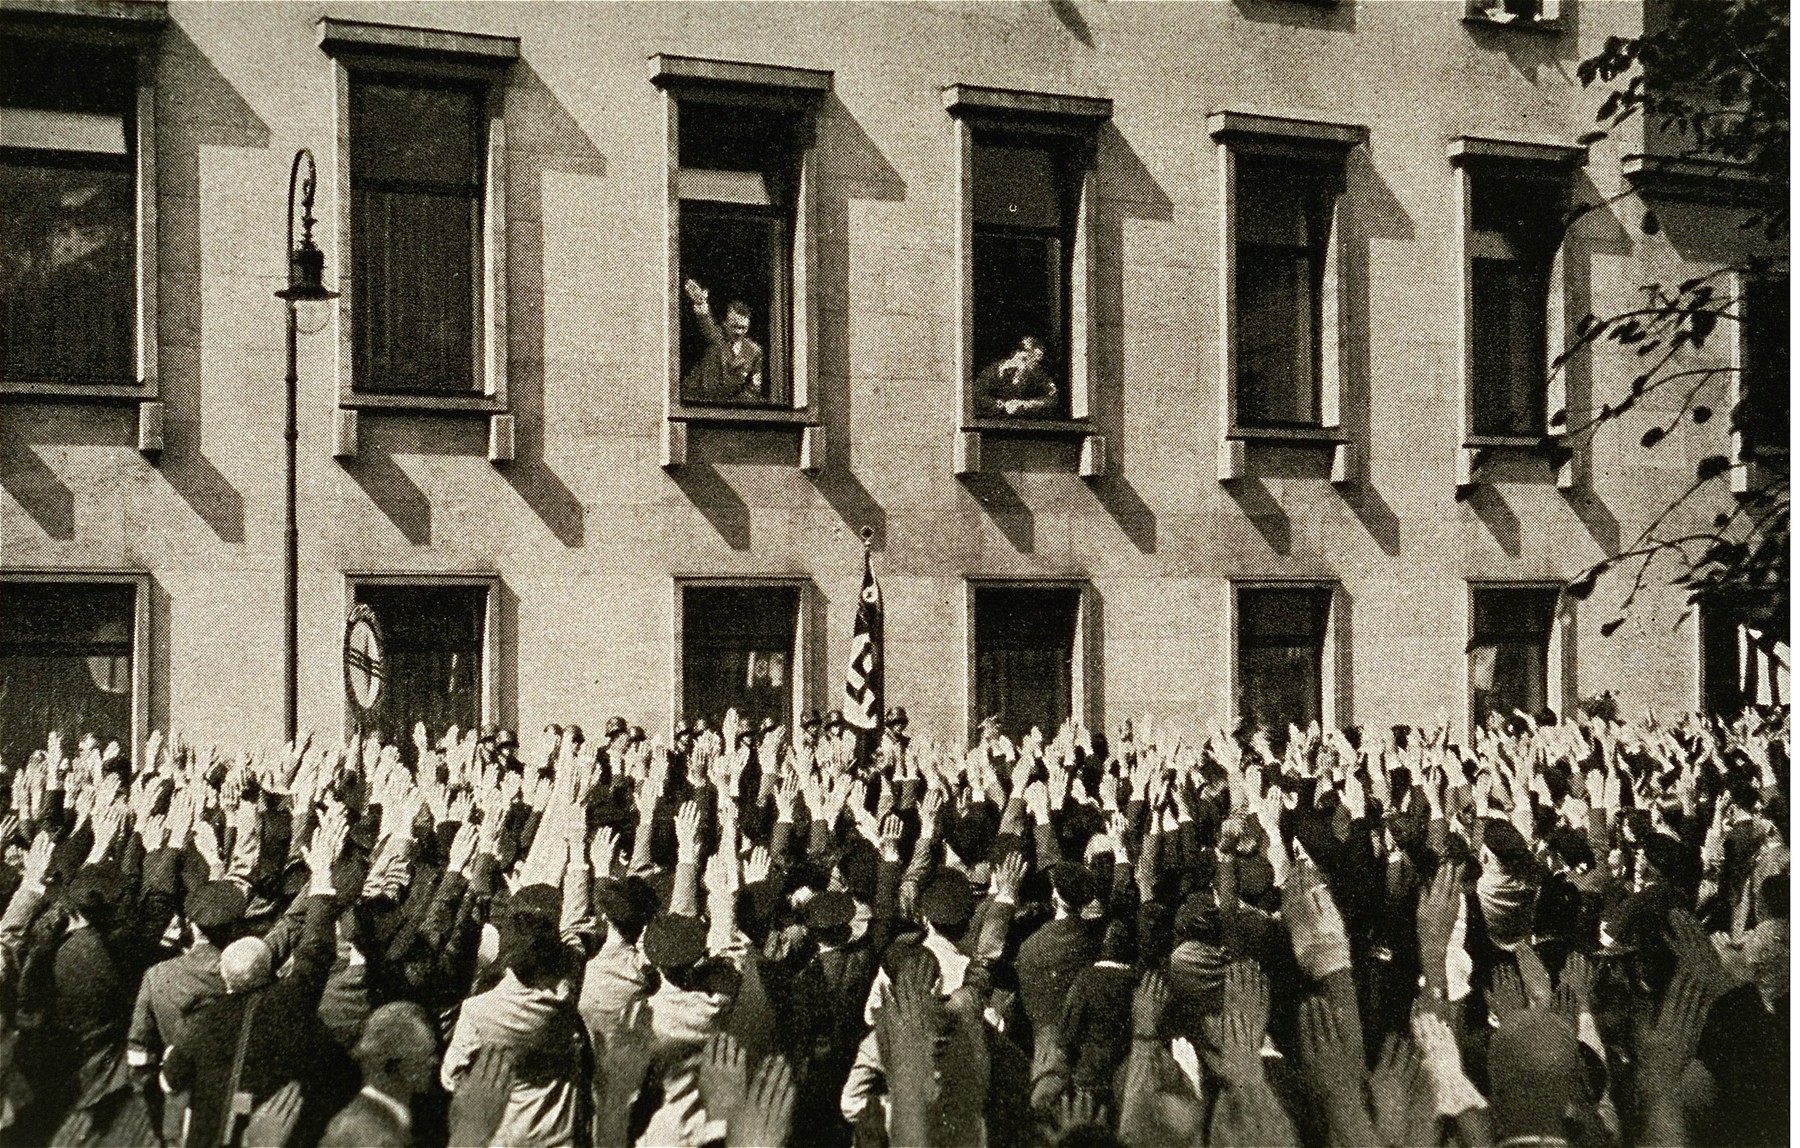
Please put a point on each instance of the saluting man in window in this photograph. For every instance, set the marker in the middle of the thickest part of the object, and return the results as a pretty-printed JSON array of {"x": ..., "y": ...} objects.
[
  {"x": 732, "y": 368},
  {"x": 1017, "y": 386}
]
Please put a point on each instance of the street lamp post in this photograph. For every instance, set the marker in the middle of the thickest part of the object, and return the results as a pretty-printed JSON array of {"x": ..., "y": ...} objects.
[{"x": 305, "y": 284}]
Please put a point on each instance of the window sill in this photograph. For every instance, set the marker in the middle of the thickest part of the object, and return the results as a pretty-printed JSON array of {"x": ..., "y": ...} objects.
[
  {"x": 80, "y": 392},
  {"x": 778, "y": 416},
  {"x": 1506, "y": 20},
  {"x": 1296, "y": 436},
  {"x": 1506, "y": 441},
  {"x": 422, "y": 404},
  {"x": 1073, "y": 428}
]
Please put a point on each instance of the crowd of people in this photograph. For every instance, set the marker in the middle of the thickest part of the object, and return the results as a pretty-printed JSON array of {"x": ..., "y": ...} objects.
[{"x": 1562, "y": 932}]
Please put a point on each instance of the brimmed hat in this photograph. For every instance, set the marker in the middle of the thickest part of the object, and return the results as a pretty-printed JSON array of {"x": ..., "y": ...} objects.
[
  {"x": 216, "y": 905},
  {"x": 947, "y": 899},
  {"x": 674, "y": 942},
  {"x": 615, "y": 727}
]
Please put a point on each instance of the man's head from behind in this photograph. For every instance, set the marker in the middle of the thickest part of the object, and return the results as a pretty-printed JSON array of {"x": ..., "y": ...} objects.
[
  {"x": 246, "y": 965},
  {"x": 398, "y": 1050}
]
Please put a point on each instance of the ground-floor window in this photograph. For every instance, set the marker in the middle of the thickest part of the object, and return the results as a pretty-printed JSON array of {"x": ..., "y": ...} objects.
[
  {"x": 1744, "y": 658},
  {"x": 66, "y": 663},
  {"x": 738, "y": 651},
  {"x": 1026, "y": 641},
  {"x": 1281, "y": 656},
  {"x": 432, "y": 658},
  {"x": 1509, "y": 650}
]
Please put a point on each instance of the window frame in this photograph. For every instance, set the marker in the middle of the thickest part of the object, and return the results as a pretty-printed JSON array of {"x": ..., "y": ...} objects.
[
  {"x": 427, "y": 57},
  {"x": 807, "y": 631},
  {"x": 1547, "y": 18},
  {"x": 800, "y": 91},
  {"x": 494, "y": 645},
  {"x": 1062, "y": 123},
  {"x": 1734, "y": 617},
  {"x": 1324, "y": 146},
  {"x": 138, "y": 29},
  {"x": 1474, "y": 158},
  {"x": 141, "y": 635},
  {"x": 1334, "y": 650},
  {"x": 1560, "y": 691},
  {"x": 1748, "y": 475},
  {"x": 1086, "y": 664}
]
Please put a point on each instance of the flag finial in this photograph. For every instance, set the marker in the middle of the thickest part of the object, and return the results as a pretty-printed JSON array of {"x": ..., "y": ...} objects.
[{"x": 868, "y": 536}]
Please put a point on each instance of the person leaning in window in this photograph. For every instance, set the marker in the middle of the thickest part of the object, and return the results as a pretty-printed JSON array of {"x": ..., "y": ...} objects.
[
  {"x": 1017, "y": 386},
  {"x": 732, "y": 368}
]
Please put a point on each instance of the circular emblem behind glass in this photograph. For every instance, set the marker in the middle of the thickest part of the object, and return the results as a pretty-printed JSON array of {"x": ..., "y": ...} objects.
[{"x": 363, "y": 659}]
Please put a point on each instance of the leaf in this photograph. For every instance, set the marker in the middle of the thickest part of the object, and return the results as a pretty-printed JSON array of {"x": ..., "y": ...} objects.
[
  {"x": 1712, "y": 466},
  {"x": 1588, "y": 139},
  {"x": 1721, "y": 521},
  {"x": 1583, "y": 586},
  {"x": 1702, "y": 323},
  {"x": 1608, "y": 629},
  {"x": 1651, "y": 437},
  {"x": 1651, "y": 225},
  {"x": 1700, "y": 414},
  {"x": 1638, "y": 384},
  {"x": 1559, "y": 418}
]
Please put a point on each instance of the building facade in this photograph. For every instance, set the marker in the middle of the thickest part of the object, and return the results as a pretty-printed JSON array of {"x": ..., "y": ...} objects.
[{"x": 1189, "y": 359}]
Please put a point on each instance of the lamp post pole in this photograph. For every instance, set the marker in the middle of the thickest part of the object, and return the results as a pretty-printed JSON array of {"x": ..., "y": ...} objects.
[{"x": 306, "y": 272}]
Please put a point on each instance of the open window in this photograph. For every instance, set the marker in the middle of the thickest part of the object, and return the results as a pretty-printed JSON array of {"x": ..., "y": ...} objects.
[
  {"x": 71, "y": 660},
  {"x": 1284, "y": 671},
  {"x": 421, "y": 223},
  {"x": 1025, "y": 250},
  {"x": 1541, "y": 14},
  {"x": 740, "y": 267},
  {"x": 1515, "y": 651},
  {"x": 1745, "y": 657},
  {"x": 743, "y": 647},
  {"x": 1028, "y": 657},
  {"x": 1281, "y": 375},
  {"x": 1761, "y": 399},
  {"x": 78, "y": 202},
  {"x": 433, "y": 663},
  {"x": 1514, "y": 199}
]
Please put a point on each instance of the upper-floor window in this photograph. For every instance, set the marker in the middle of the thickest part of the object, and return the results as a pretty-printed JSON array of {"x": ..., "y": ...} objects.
[
  {"x": 1763, "y": 397},
  {"x": 1026, "y": 195},
  {"x": 1283, "y": 226},
  {"x": 416, "y": 224},
  {"x": 1514, "y": 229},
  {"x": 739, "y": 180},
  {"x": 68, "y": 213}
]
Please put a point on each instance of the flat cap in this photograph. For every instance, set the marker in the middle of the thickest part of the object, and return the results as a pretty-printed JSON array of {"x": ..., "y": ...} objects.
[
  {"x": 830, "y": 910},
  {"x": 811, "y": 720},
  {"x": 216, "y": 905},
  {"x": 947, "y": 899},
  {"x": 627, "y": 902},
  {"x": 672, "y": 942}
]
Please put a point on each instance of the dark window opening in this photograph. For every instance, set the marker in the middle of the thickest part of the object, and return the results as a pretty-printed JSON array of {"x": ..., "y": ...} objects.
[
  {"x": 433, "y": 662},
  {"x": 739, "y": 182},
  {"x": 416, "y": 160},
  {"x": 1509, "y": 651},
  {"x": 1025, "y": 648},
  {"x": 738, "y": 652},
  {"x": 1745, "y": 658},
  {"x": 65, "y": 664},
  {"x": 1763, "y": 417},
  {"x": 1283, "y": 225},
  {"x": 68, "y": 217},
  {"x": 1281, "y": 657},
  {"x": 1516, "y": 223},
  {"x": 1026, "y": 198}
]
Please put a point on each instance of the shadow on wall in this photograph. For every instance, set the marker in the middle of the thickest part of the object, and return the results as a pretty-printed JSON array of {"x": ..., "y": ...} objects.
[
  {"x": 1127, "y": 190},
  {"x": 850, "y": 167},
  {"x": 26, "y": 471},
  {"x": 203, "y": 110},
  {"x": 542, "y": 136},
  {"x": 382, "y": 437},
  {"x": 1322, "y": 14}
]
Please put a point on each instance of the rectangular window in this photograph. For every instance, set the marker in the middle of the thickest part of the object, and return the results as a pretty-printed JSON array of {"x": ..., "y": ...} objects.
[
  {"x": 1509, "y": 649},
  {"x": 434, "y": 658},
  {"x": 1026, "y": 642},
  {"x": 68, "y": 213},
  {"x": 1281, "y": 656},
  {"x": 416, "y": 163},
  {"x": 66, "y": 664},
  {"x": 1744, "y": 659},
  {"x": 1762, "y": 419},
  {"x": 739, "y": 182},
  {"x": 1515, "y": 227},
  {"x": 1026, "y": 196},
  {"x": 738, "y": 651},
  {"x": 1283, "y": 227}
]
